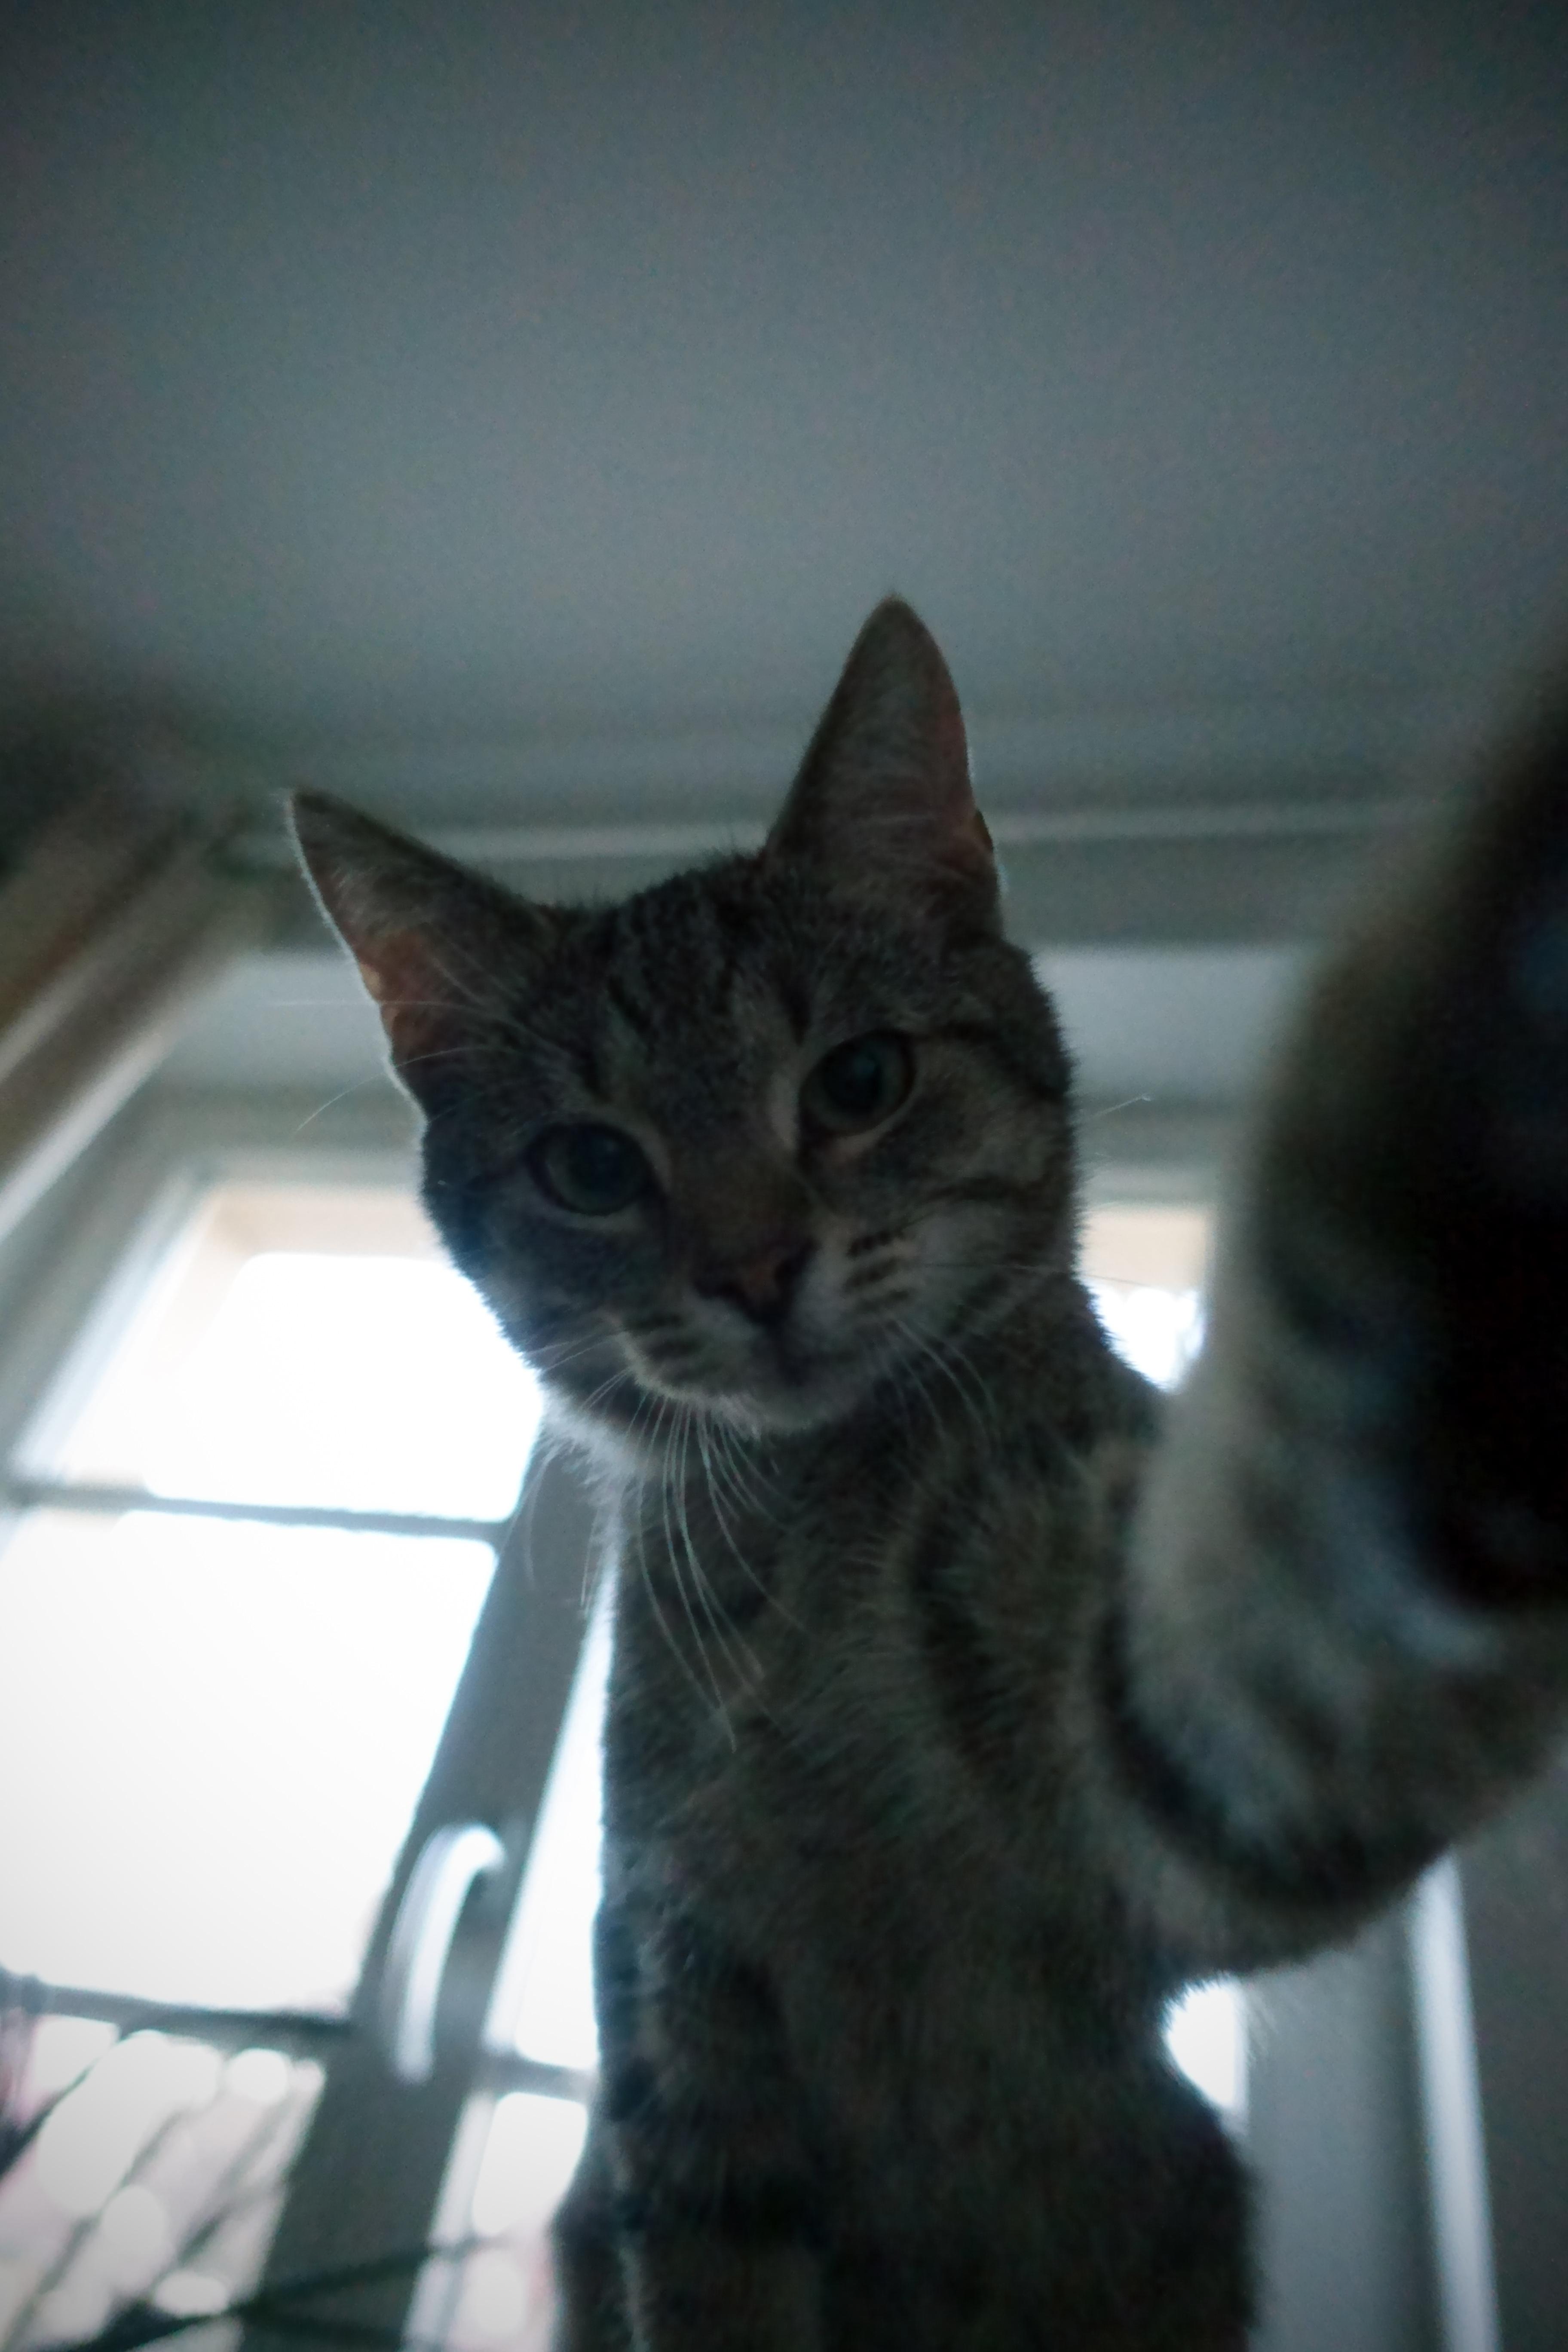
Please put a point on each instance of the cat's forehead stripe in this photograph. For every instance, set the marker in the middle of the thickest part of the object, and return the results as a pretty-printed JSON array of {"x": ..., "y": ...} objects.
[
  {"x": 679, "y": 949},
  {"x": 637, "y": 1016}
]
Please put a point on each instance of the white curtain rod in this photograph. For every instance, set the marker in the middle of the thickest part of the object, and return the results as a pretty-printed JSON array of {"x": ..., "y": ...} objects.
[{"x": 526, "y": 844}]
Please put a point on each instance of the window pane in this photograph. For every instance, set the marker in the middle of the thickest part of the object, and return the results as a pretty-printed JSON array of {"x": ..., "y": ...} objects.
[
  {"x": 1146, "y": 1265},
  {"x": 1205, "y": 2033},
  {"x": 543, "y": 2001},
  {"x": 1159, "y": 1331},
  {"x": 1145, "y": 1268},
  {"x": 156, "y": 2176},
  {"x": 211, "y": 1741},
  {"x": 305, "y": 1344},
  {"x": 503, "y": 2290}
]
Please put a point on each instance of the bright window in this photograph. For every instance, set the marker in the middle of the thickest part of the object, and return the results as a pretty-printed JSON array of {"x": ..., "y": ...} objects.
[
  {"x": 1145, "y": 1270},
  {"x": 260, "y": 1508},
  {"x": 225, "y": 1722},
  {"x": 1145, "y": 1267}
]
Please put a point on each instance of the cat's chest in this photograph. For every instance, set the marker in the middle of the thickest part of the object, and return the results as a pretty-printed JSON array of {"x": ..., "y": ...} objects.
[
  {"x": 818, "y": 1828},
  {"x": 835, "y": 1719},
  {"x": 947, "y": 1976}
]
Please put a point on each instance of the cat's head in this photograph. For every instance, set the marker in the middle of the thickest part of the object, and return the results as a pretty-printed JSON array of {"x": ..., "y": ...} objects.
[{"x": 763, "y": 1136}]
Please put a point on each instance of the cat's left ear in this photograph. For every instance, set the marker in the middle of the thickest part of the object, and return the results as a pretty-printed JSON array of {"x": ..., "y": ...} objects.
[{"x": 883, "y": 803}]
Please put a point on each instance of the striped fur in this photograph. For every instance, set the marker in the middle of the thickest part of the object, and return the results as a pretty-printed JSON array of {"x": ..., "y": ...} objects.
[{"x": 958, "y": 1717}]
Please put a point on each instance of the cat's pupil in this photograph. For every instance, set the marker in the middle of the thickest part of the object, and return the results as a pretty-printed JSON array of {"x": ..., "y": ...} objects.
[
  {"x": 594, "y": 1170},
  {"x": 861, "y": 1082},
  {"x": 855, "y": 1079}
]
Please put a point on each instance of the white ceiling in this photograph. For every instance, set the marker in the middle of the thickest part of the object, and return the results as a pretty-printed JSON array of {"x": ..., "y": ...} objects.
[{"x": 506, "y": 414}]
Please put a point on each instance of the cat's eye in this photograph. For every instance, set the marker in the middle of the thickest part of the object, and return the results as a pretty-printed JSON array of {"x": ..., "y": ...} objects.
[
  {"x": 594, "y": 1170},
  {"x": 859, "y": 1084}
]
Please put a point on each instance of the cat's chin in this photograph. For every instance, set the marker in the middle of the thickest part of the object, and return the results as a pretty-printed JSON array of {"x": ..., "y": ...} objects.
[
  {"x": 780, "y": 1391},
  {"x": 788, "y": 1393},
  {"x": 630, "y": 1424},
  {"x": 787, "y": 1413},
  {"x": 785, "y": 1405}
]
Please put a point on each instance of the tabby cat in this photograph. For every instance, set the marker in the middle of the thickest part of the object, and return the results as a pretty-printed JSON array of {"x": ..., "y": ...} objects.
[{"x": 957, "y": 1720}]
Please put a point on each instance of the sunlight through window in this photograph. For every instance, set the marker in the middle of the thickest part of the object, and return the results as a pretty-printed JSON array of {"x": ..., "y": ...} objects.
[
  {"x": 226, "y": 1724},
  {"x": 1205, "y": 2033}
]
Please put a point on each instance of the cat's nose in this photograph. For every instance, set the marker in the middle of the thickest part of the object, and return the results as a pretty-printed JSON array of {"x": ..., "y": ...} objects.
[{"x": 764, "y": 1285}]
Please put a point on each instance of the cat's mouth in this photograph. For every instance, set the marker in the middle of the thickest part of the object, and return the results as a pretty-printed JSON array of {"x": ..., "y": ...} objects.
[
  {"x": 793, "y": 1379},
  {"x": 779, "y": 1376}
]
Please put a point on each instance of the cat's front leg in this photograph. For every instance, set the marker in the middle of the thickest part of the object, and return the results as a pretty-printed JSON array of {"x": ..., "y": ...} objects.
[
  {"x": 1345, "y": 1633},
  {"x": 714, "y": 2205}
]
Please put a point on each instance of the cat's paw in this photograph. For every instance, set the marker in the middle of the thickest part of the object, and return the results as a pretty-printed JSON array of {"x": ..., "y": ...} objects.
[
  {"x": 1423, "y": 1114},
  {"x": 1508, "y": 1011},
  {"x": 1522, "y": 1056}
]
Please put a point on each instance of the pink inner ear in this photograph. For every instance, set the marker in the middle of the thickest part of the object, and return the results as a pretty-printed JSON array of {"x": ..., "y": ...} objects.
[
  {"x": 410, "y": 991},
  {"x": 959, "y": 835}
]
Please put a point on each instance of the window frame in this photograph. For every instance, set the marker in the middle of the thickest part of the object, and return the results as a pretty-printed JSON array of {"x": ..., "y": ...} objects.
[{"x": 1337, "y": 2121}]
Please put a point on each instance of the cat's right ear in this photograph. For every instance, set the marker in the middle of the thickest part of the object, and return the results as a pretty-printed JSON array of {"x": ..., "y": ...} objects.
[{"x": 437, "y": 948}]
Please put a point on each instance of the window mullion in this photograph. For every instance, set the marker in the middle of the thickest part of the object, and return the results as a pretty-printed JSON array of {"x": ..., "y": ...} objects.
[
  {"x": 365, "y": 2186},
  {"x": 25, "y": 1493},
  {"x": 302, "y": 2033}
]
